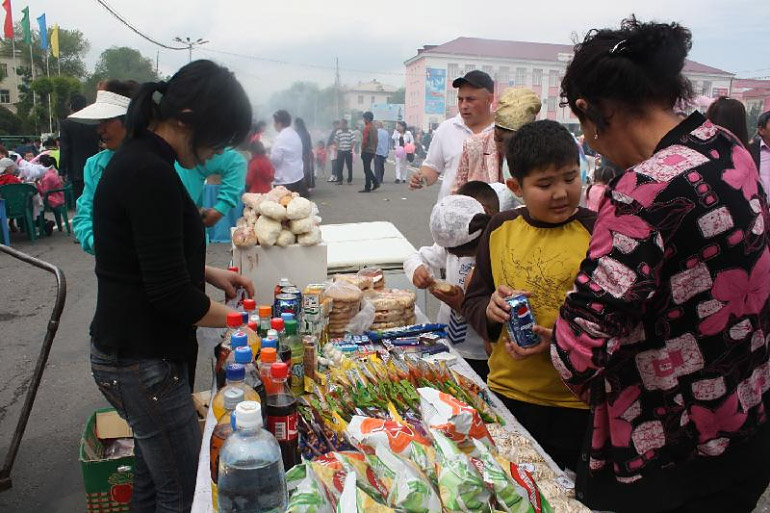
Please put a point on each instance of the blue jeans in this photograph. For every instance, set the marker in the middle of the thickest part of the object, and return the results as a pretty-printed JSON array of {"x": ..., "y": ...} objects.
[{"x": 153, "y": 396}]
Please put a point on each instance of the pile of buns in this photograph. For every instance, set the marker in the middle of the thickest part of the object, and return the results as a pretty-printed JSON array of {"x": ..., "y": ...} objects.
[
  {"x": 346, "y": 303},
  {"x": 278, "y": 218},
  {"x": 393, "y": 308}
]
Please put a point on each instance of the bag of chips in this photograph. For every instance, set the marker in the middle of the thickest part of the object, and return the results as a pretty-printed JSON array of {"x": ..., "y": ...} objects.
[
  {"x": 309, "y": 495},
  {"x": 410, "y": 490},
  {"x": 332, "y": 469},
  {"x": 461, "y": 487},
  {"x": 354, "y": 500},
  {"x": 458, "y": 421}
]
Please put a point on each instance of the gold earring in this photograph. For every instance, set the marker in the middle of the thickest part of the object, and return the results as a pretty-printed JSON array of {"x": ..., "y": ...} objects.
[{"x": 596, "y": 136}]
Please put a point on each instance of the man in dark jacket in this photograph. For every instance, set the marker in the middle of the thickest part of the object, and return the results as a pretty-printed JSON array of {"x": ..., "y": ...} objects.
[
  {"x": 760, "y": 150},
  {"x": 368, "y": 149},
  {"x": 78, "y": 142}
]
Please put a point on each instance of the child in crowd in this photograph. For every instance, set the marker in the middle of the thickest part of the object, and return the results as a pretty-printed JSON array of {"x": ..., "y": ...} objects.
[
  {"x": 8, "y": 171},
  {"x": 456, "y": 224},
  {"x": 595, "y": 192},
  {"x": 48, "y": 182},
  {"x": 320, "y": 157},
  {"x": 536, "y": 250},
  {"x": 259, "y": 177}
]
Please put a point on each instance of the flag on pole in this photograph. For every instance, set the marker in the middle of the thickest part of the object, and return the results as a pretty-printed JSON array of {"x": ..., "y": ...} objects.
[
  {"x": 27, "y": 33},
  {"x": 43, "y": 32},
  {"x": 55, "y": 41},
  {"x": 8, "y": 27}
]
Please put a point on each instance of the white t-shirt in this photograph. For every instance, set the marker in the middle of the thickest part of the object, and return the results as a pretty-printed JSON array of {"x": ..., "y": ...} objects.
[
  {"x": 463, "y": 338},
  {"x": 286, "y": 157},
  {"x": 446, "y": 148}
]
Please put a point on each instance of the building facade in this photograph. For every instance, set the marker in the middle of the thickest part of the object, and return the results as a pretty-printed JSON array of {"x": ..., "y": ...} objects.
[
  {"x": 9, "y": 85},
  {"x": 364, "y": 95},
  {"x": 430, "y": 97}
]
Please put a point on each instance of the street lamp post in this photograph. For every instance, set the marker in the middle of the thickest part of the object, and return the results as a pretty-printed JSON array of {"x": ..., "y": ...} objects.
[{"x": 189, "y": 43}]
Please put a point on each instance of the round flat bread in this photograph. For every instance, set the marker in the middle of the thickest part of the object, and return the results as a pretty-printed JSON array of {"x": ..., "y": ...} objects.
[
  {"x": 344, "y": 293},
  {"x": 391, "y": 315}
]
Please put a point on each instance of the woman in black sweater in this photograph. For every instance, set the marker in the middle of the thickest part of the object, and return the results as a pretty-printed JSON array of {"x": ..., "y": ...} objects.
[{"x": 150, "y": 253}]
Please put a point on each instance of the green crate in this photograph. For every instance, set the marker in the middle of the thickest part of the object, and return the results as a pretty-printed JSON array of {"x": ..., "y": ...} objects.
[{"x": 109, "y": 484}]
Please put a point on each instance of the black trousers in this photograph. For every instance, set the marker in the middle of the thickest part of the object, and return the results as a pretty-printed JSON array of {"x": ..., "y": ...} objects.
[
  {"x": 344, "y": 157},
  {"x": 298, "y": 187},
  {"x": 371, "y": 180},
  {"x": 379, "y": 167},
  {"x": 480, "y": 367},
  {"x": 560, "y": 431}
]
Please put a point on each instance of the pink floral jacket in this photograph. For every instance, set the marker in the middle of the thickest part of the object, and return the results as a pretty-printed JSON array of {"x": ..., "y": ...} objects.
[
  {"x": 666, "y": 331},
  {"x": 478, "y": 161}
]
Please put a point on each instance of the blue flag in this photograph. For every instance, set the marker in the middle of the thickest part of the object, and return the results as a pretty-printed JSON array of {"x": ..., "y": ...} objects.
[{"x": 43, "y": 32}]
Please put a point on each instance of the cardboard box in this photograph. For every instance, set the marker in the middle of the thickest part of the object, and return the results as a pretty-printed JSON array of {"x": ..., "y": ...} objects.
[{"x": 109, "y": 483}]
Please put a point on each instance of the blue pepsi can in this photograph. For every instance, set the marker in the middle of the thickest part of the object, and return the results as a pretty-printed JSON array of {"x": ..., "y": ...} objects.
[{"x": 522, "y": 323}]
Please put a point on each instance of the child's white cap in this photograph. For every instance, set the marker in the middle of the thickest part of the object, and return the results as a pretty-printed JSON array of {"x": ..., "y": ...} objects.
[{"x": 450, "y": 220}]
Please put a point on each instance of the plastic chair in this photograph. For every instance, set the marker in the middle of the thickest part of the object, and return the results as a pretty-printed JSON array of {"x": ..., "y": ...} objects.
[
  {"x": 4, "y": 223},
  {"x": 18, "y": 205},
  {"x": 69, "y": 196},
  {"x": 59, "y": 212}
]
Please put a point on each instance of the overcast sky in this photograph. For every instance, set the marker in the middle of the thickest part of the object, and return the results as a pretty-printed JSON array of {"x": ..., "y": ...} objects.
[{"x": 372, "y": 39}]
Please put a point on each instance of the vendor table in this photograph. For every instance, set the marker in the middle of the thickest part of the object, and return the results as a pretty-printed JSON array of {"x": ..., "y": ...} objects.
[
  {"x": 202, "y": 500},
  {"x": 353, "y": 246}
]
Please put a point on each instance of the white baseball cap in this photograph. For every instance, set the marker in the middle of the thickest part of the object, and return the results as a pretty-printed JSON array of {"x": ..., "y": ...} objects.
[
  {"x": 108, "y": 105},
  {"x": 450, "y": 220},
  {"x": 5, "y": 163}
]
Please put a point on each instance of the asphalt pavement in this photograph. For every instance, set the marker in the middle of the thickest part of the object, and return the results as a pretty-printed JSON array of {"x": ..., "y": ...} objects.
[{"x": 47, "y": 475}]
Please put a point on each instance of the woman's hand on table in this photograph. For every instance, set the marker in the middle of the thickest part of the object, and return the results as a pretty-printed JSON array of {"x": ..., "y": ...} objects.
[
  {"x": 517, "y": 352},
  {"x": 228, "y": 281}
]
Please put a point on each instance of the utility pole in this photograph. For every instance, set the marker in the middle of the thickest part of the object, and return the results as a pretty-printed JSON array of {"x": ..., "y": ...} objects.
[
  {"x": 189, "y": 43},
  {"x": 337, "y": 88}
]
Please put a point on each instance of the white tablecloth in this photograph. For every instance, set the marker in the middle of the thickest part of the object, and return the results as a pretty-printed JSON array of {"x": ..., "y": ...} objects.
[{"x": 352, "y": 246}]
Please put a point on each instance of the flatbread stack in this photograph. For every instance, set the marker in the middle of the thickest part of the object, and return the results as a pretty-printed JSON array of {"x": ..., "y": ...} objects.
[
  {"x": 393, "y": 308},
  {"x": 362, "y": 282},
  {"x": 346, "y": 302},
  {"x": 377, "y": 276}
]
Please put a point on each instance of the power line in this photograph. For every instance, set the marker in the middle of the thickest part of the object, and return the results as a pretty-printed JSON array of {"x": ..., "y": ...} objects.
[{"x": 125, "y": 22}]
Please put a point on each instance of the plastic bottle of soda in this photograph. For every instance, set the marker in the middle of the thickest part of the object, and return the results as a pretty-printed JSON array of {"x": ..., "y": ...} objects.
[
  {"x": 251, "y": 471},
  {"x": 249, "y": 308},
  {"x": 244, "y": 356},
  {"x": 237, "y": 339},
  {"x": 297, "y": 369},
  {"x": 265, "y": 314},
  {"x": 266, "y": 360},
  {"x": 282, "y": 415},
  {"x": 235, "y": 379},
  {"x": 284, "y": 351},
  {"x": 223, "y": 429}
]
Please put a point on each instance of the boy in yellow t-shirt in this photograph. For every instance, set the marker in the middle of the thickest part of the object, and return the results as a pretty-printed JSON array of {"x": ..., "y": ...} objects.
[{"x": 537, "y": 250}]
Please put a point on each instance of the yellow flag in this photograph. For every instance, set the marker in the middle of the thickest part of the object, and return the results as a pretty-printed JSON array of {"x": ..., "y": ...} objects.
[{"x": 55, "y": 41}]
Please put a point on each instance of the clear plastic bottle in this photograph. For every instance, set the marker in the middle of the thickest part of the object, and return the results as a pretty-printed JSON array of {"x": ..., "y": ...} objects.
[
  {"x": 282, "y": 415},
  {"x": 251, "y": 471},
  {"x": 250, "y": 309},
  {"x": 222, "y": 430},
  {"x": 245, "y": 357},
  {"x": 297, "y": 368},
  {"x": 235, "y": 379},
  {"x": 284, "y": 351},
  {"x": 237, "y": 339},
  {"x": 265, "y": 314},
  {"x": 266, "y": 360}
]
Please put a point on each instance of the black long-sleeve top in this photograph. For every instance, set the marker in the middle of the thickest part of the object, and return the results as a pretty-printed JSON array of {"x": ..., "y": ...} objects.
[{"x": 150, "y": 255}]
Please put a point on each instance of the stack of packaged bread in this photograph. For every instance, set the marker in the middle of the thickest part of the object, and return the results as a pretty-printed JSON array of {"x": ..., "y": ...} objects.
[{"x": 393, "y": 308}]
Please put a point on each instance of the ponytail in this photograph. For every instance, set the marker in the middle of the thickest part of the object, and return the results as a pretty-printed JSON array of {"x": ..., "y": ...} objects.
[{"x": 143, "y": 109}]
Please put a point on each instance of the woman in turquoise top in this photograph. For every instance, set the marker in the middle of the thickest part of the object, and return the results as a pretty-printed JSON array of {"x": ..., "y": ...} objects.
[{"x": 109, "y": 111}]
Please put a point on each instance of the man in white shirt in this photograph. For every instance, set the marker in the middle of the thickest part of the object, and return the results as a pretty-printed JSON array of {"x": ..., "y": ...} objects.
[
  {"x": 475, "y": 95},
  {"x": 286, "y": 155}
]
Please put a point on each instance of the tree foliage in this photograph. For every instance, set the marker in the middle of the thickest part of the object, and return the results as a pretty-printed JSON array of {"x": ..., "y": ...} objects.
[
  {"x": 121, "y": 63},
  {"x": 10, "y": 123}
]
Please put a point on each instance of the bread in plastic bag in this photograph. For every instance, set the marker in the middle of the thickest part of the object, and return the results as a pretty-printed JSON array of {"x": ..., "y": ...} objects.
[
  {"x": 276, "y": 193},
  {"x": 244, "y": 237},
  {"x": 252, "y": 200},
  {"x": 285, "y": 238},
  {"x": 273, "y": 210},
  {"x": 300, "y": 226},
  {"x": 310, "y": 239},
  {"x": 267, "y": 230},
  {"x": 362, "y": 320},
  {"x": 299, "y": 208}
]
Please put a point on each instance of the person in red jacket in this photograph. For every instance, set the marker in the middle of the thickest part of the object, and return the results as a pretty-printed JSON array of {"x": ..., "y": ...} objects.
[
  {"x": 259, "y": 177},
  {"x": 8, "y": 171}
]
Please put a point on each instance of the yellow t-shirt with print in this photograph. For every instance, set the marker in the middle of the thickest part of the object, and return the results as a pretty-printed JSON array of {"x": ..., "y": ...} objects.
[{"x": 543, "y": 259}]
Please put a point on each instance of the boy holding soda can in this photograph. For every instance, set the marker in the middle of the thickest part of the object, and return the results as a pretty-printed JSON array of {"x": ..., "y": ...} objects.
[{"x": 526, "y": 264}]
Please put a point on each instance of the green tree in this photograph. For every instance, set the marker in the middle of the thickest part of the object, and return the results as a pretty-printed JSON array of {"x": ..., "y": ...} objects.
[
  {"x": 73, "y": 46},
  {"x": 10, "y": 123},
  {"x": 120, "y": 63}
]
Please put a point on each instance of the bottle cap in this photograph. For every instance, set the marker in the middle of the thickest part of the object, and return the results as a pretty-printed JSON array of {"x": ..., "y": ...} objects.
[
  {"x": 248, "y": 415},
  {"x": 253, "y": 326},
  {"x": 243, "y": 355},
  {"x": 265, "y": 312},
  {"x": 233, "y": 269},
  {"x": 277, "y": 324},
  {"x": 279, "y": 370},
  {"x": 239, "y": 339},
  {"x": 235, "y": 372},
  {"x": 291, "y": 327},
  {"x": 234, "y": 319},
  {"x": 287, "y": 316},
  {"x": 268, "y": 355},
  {"x": 232, "y": 397},
  {"x": 249, "y": 305},
  {"x": 269, "y": 342}
]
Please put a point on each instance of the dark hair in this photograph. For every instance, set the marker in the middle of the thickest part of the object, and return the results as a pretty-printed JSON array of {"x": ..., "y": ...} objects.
[
  {"x": 127, "y": 88},
  {"x": 204, "y": 96},
  {"x": 368, "y": 116},
  {"x": 321, "y": 144},
  {"x": 78, "y": 102},
  {"x": 257, "y": 148},
  {"x": 402, "y": 124},
  {"x": 538, "y": 145},
  {"x": 47, "y": 161},
  {"x": 605, "y": 174},
  {"x": 50, "y": 142},
  {"x": 730, "y": 114},
  {"x": 3, "y": 150},
  {"x": 304, "y": 135},
  {"x": 282, "y": 117},
  {"x": 763, "y": 119},
  {"x": 260, "y": 126},
  {"x": 483, "y": 193},
  {"x": 634, "y": 67}
]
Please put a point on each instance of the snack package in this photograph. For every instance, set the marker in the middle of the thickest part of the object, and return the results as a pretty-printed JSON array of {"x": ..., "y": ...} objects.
[
  {"x": 410, "y": 489},
  {"x": 353, "y": 500},
  {"x": 334, "y": 467},
  {"x": 308, "y": 494},
  {"x": 511, "y": 495},
  {"x": 461, "y": 487},
  {"x": 526, "y": 482},
  {"x": 455, "y": 419}
]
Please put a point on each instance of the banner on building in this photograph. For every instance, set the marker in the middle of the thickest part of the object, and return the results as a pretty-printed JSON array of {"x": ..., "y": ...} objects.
[{"x": 435, "y": 91}]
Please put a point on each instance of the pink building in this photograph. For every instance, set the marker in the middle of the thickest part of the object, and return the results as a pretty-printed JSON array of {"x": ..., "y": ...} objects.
[
  {"x": 755, "y": 94},
  {"x": 430, "y": 98}
]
